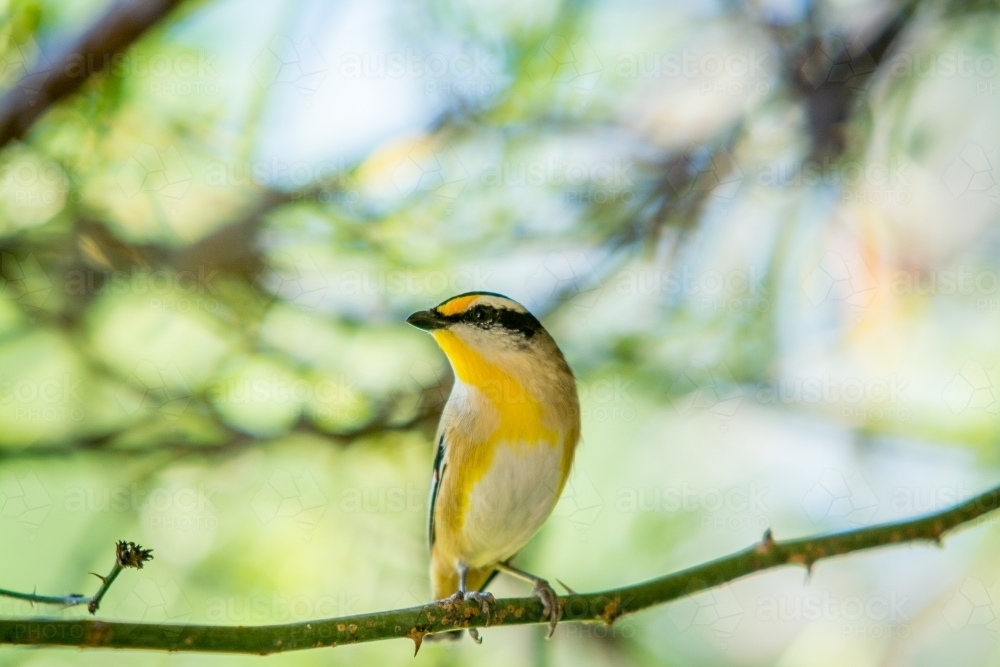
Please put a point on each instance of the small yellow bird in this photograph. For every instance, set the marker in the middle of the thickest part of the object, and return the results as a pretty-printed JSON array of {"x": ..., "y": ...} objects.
[{"x": 505, "y": 444}]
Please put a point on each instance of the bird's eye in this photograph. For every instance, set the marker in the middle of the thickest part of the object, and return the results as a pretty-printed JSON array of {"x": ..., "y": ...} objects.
[{"x": 478, "y": 314}]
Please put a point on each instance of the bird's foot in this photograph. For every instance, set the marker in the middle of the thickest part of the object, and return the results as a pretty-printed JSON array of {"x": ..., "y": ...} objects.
[
  {"x": 551, "y": 605},
  {"x": 485, "y": 600},
  {"x": 487, "y": 603}
]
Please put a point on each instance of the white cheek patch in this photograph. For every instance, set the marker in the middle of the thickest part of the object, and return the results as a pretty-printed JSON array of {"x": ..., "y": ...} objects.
[{"x": 512, "y": 501}]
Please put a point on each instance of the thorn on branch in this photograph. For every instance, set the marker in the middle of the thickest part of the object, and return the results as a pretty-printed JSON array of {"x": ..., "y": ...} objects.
[
  {"x": 766, "y": 543},
  {"x": 568, "y": 589},
  {"x": 417, "y": 636}
]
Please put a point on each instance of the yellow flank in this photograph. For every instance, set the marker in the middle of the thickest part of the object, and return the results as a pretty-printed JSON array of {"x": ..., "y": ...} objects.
[
  {"x": 520, "y": 416},
  {"x": 457, "y": 305}
]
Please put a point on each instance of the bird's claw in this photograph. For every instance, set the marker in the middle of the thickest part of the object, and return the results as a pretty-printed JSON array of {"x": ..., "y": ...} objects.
[
  {"x": 551, "y": 605},
  {"x": 486, "y": 603}
]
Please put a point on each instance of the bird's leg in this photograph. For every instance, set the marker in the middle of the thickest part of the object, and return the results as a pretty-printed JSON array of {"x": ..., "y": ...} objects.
[
  {"x": 485, "y": 599},
  {"x": 551, "y": 606}
]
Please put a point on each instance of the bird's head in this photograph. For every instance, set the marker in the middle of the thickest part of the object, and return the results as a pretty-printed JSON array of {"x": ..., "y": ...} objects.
[
  {"x": 483, "y": 321},
  {"x": 497, "y": 346}
]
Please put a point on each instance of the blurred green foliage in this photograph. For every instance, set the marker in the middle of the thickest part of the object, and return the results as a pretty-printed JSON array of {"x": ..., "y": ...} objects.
[{"x": 207, "y": 256}]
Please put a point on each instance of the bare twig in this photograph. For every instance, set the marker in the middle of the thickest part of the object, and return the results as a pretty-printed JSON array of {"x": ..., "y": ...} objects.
[{"x": 127, "y": 554}]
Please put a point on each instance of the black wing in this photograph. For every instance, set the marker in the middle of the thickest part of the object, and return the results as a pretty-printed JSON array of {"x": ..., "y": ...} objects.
[{"x": 436, "y": 476}]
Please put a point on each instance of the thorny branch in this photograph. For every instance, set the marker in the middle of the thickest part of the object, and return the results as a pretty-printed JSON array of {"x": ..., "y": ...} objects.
[
  {"x": 127, "y": 554},
  {"x": 417, "y": 622}
]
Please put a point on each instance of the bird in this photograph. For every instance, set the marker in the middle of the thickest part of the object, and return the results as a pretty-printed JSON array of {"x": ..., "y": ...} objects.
[{"x": 504, "y": 445}]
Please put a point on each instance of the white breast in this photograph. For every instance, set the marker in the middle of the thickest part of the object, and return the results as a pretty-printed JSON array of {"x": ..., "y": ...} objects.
[{"x": 511, "y": 502}]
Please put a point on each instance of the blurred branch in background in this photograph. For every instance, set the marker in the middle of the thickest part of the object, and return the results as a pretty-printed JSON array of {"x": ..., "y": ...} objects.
[
  {"x": 52, "y": 80},
  {"x": 826, "y": 83},
  {"x": 417, "y": 622}
]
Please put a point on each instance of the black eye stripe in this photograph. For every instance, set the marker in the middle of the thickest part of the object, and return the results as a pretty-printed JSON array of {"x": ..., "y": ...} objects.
[{"x": 489, "y": 317}]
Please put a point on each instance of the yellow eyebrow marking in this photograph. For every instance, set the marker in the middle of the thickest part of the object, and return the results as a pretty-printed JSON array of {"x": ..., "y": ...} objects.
[{"x": 456, "y": 306}]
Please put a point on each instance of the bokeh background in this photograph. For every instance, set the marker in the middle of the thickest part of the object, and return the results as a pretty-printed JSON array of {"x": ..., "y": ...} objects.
[{"x": 764, "y": 233}]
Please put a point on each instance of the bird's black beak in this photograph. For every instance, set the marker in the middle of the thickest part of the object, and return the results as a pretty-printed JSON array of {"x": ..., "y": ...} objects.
[{"x": 427, "y": 320}]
